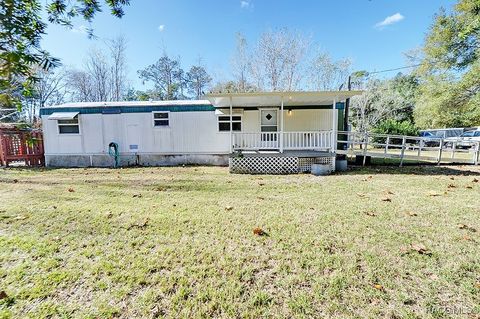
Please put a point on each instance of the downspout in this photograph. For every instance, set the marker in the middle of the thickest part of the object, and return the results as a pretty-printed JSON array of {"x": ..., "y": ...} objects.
[
  {"x": 231, "y": 128},
  {"x": 334, "y": 124},
  {"x": 281, "y": 126}
]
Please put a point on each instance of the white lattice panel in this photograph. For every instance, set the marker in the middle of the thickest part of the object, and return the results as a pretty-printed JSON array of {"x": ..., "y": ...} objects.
[
  {"x": 276, "y": 165},
  {"x": 264, "y": 165},
  {"x": 305, "y": 163}
]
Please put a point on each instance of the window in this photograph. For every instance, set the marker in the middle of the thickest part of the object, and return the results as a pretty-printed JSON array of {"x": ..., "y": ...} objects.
[
  {"x": 467, "y": 134},
  {"x": 224, "y": 123},
  {"x": 160, "y": 119},
  {"x": 68, "y": 126}
]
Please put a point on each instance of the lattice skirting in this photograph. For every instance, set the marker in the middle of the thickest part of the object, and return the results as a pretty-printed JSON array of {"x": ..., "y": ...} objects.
[
  {"x": 277, "y": 165},
  {"x": 305, "y": 163}
]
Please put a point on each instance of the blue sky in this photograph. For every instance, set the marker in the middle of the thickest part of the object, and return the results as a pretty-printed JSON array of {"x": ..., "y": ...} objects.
[{"x": 373, "y": 33}]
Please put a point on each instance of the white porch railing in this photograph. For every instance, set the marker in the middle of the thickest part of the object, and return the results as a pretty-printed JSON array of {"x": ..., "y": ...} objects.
[{"x": 314, "y": 140}]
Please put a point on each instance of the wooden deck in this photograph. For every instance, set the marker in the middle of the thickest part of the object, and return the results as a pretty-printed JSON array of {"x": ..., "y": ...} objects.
[{"x": 299, "y": 154}]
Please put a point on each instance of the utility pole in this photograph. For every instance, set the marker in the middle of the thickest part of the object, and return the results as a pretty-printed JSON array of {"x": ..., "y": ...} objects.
[{"x": 347, "y": 105}]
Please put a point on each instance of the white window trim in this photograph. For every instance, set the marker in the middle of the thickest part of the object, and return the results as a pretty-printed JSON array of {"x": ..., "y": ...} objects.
[
  {"x": 70, "y": 134},
  {"x": 222, "y": 115},
  {"x": 160, "y": 126}
]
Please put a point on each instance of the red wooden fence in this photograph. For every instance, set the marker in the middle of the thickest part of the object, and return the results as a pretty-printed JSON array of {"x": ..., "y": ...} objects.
[{"x": 17, "y": 145}]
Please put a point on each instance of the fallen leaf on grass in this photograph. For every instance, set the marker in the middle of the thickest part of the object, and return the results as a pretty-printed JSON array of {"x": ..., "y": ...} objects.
[
  {"x": 466, "y": 227},
  {"x": 378, "y": 287},
  {"x": 259, "y": 232},
  {"x": 71, "y": 190},
  {"x": 228, "y": 207},
  {"x": 141, "y": 226},
  {"x": 421, "y": 249},
  {"x": 3, "y": 295}
]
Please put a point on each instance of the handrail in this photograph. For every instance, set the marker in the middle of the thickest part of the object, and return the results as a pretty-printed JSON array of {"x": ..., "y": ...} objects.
[
  {"x": 292, "y": 140},
  {"x": 407, "y": 147}
]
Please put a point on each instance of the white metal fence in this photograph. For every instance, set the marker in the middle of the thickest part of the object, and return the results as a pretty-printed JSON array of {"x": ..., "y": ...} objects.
[{"x": 408, "y": 148}]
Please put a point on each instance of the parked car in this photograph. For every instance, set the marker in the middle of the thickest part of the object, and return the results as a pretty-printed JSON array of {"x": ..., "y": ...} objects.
[
  {"x": 430, "y": 139},
  {"x": 466, "y": 140},
  {"x": 445, "y": 132}
]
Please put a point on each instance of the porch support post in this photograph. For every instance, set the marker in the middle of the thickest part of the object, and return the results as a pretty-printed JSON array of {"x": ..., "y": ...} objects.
[
  {"x": 231, "y": 128},
  {"x": 281, "y": 126},
  {"x": 334, "y": 126}
]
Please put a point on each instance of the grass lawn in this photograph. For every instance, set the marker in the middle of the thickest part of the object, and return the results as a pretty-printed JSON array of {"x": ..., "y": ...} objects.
[{"x": 379, "y": 242}]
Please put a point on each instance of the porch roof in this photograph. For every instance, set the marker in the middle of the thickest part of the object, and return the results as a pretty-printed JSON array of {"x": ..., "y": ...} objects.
[{"x": 265, "y": 99}]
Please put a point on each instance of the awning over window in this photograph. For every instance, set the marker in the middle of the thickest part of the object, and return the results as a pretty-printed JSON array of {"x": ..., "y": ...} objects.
[
  {"x": 227, "y": 112},
  {"x": 63, "y": 116}
]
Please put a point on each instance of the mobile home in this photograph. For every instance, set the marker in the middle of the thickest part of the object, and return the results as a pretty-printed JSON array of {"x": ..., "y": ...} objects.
[{"x": 269, "y": 132}]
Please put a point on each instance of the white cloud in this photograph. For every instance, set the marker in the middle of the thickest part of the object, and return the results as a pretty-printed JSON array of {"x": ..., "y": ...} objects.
[
  {"x": 245, "y": 4},
  {"x": 81, "y": 29},
  {"x": 161, "y": 27},
  {"x": 397, "y": 17}
]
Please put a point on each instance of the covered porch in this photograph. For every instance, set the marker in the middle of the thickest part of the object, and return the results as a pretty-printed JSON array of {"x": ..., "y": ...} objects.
[
  {"x": 281, "y": 121},
  {"x": 281, "y": 132}
]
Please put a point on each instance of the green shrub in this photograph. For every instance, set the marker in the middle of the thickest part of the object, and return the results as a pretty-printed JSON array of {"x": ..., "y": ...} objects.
[{"x": 394, "y": 127}]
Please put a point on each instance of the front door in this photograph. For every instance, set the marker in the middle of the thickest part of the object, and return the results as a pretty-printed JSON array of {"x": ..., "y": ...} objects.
[{"x": 269, "y": 128}]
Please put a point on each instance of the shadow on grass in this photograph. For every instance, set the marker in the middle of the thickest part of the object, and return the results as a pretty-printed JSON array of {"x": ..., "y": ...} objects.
[{"x": 413, "y": 169}]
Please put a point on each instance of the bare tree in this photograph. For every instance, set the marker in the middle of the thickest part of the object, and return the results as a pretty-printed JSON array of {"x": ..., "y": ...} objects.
[
  {"x": 118, "y": 47},
  {"x": 80, "y": 84},
  {"x": 98, "y": 69},
  {"x": 379, "y": 101},
  {"x": 297, "y": 47},
  {"x": 241, "y": 63},
  {"x": 48, "y": 89},
  {"x": 277, "y": 59},
  {"x": 326, "y": 74}
]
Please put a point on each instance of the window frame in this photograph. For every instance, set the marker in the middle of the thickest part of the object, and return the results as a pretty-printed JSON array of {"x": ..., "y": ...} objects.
[
  {"x": 164, "y": 119},
  {"x": 228, "y": 122},
  {"x": 69, "y": 124}
]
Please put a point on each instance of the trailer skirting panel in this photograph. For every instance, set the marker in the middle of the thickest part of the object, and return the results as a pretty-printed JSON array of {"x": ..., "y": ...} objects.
[{"x": 277, "y": 165}]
